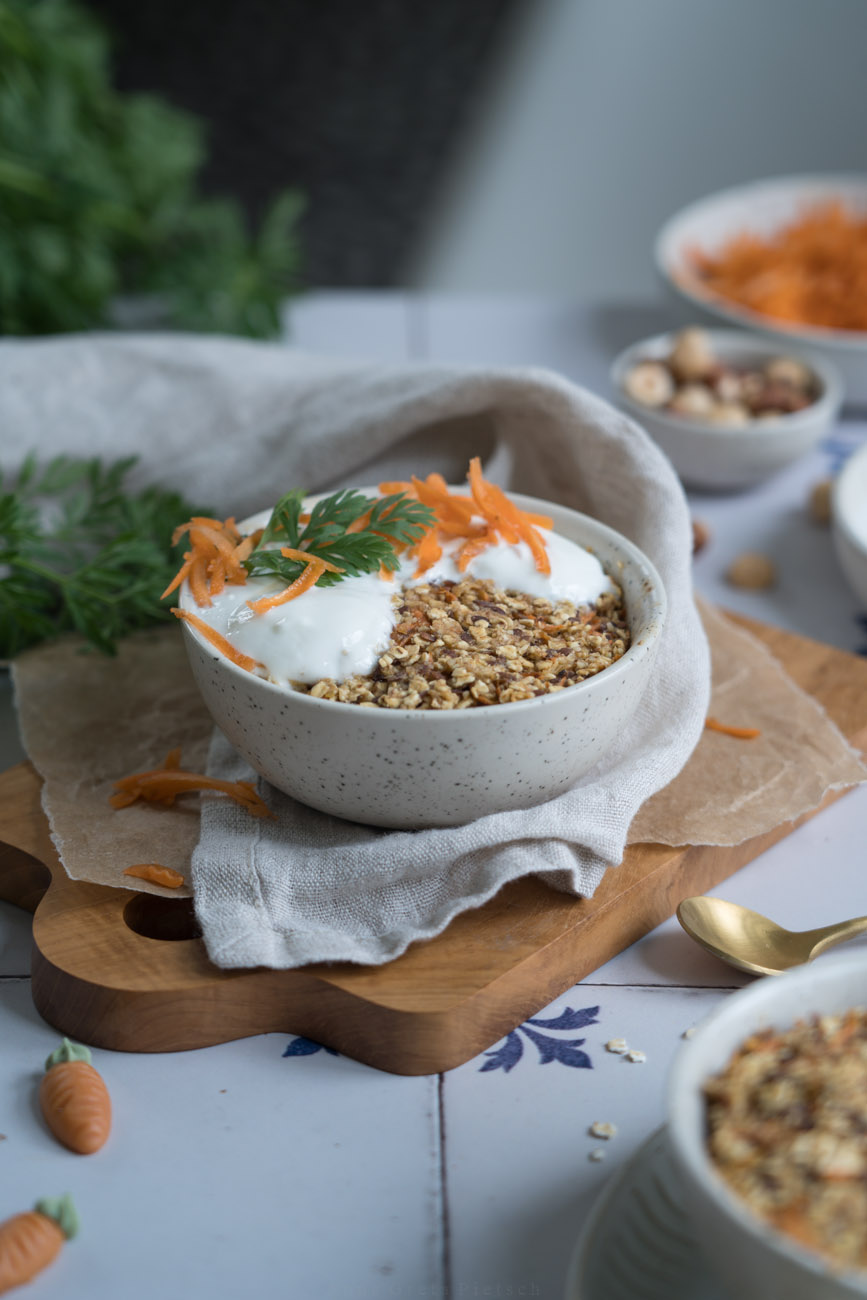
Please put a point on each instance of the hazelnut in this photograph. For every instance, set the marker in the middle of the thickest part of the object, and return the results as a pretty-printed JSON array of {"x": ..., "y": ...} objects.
[
  {"x": 732, "y": 415},
  {"x": 788, "y": 370},
  {"x": 691, "y": 357},
  {"x": 753, "y": 571},
  {"x": 729, "y": 387},
  {"x": 694, "y": 400},
  {"x": 820, "y": 502},
  {"x": 700, "y": 536},
  {"x": 649, "y": 383}
]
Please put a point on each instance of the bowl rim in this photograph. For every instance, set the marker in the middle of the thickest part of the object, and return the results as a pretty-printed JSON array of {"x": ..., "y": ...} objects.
[
  {"x": 691, "y": 1151},
  {"x": 824, "y": 407},
  {"x": 839, "y": 517},
  {"x": 666, "y": 244},
  {"x": 638, "y": 649}
]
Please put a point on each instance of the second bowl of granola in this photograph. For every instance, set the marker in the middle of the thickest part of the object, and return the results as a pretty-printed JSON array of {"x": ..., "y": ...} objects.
[
  {"x": 766, "y": 1118},
  {"x": 413, "y": 767}
]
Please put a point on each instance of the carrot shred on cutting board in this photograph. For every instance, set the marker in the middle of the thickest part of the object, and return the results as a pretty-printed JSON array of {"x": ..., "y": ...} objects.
[
  {"x": 811, "y": 271},
  {"x": 155, "y": 874},
  {"x": 74, "y": 1099},
  {"x": 739, "y": 733},
  {"x": 163, "y": 785}
]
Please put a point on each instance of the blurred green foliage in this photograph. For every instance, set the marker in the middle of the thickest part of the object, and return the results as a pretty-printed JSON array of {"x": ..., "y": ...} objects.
[{"x": 98, "y": 196}]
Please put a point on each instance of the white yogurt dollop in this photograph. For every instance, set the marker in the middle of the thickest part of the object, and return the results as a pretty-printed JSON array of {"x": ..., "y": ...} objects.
[{"x": 341, "y": 631}]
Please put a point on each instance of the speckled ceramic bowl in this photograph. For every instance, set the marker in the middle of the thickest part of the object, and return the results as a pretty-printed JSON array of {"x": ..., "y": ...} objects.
[
  {"x": 755, "y": 1261},
  {"x": 415, "y": 768}
]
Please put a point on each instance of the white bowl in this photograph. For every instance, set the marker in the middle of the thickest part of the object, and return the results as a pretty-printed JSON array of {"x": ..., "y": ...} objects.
[
  {"x": 849, "y": 521},
  {"x": 414, "y": 768},
  {"x": 763, "y": 207},
  {"x": 752, "y": 1258},
  {"x": 714, "y": 456}
]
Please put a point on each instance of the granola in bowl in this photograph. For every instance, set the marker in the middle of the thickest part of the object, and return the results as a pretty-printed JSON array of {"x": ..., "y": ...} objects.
[
  {"x": 787, "y": 1129},
  {"x": 457, "y": 645}
]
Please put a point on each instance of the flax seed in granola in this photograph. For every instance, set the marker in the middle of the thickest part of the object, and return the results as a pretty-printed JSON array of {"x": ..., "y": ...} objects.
[
  {"x": 787, "y": 1129},
  {"x": 460, "y": 645}
]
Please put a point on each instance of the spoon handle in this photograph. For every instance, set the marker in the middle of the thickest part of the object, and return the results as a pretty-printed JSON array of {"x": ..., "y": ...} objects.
[{"x": 830, "y": 935}]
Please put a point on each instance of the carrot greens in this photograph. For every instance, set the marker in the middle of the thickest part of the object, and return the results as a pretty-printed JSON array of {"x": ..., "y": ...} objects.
[
  {"x": 355, "y": 533},
  {"x": 81, "y": 552}
]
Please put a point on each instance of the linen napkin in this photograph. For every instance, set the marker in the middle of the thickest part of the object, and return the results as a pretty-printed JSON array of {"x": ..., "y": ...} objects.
[{"x": 236, "y": 424}]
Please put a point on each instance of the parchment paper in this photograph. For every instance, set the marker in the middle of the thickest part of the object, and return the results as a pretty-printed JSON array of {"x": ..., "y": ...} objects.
[
  {"x": 87, "y": 720},
  {"x": 731, "y": 790}
]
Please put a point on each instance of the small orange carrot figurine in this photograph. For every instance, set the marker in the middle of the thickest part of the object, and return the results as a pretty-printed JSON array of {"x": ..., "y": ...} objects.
[
  {"x": 75, "y": 1100},
  {"x": 29, "y": 1242}
]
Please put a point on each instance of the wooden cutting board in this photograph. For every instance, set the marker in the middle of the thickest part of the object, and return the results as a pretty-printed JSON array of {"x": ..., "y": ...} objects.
[{"x": 124, "y": 970}]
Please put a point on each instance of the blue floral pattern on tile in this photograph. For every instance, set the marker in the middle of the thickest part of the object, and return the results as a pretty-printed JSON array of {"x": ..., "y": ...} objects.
[
  {"x": 566, "y": 1051},
  {"x": 306, "y": 1047},
  {"x": 840, "y": 444}
]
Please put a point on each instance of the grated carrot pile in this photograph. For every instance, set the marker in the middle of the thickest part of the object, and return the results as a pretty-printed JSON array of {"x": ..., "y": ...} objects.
[
  {"x": 164, "y": 784},
  {"x": 812, "y": 271},
  {"x": 216, "y": 555},
  {"x": 482, "y": 518}
]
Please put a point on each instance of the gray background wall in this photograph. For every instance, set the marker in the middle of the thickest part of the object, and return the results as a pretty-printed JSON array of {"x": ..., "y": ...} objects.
[{"x": 602, "y": 117}]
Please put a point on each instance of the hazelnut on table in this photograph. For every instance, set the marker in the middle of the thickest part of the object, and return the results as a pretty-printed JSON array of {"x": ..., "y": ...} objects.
[{"x": 753, "y": 571}]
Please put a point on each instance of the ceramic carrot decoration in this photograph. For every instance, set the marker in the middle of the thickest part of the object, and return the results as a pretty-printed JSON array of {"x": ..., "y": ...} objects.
[
  {"x": 29, "y": 1242},
  {"x": 74, "y": 1099}
]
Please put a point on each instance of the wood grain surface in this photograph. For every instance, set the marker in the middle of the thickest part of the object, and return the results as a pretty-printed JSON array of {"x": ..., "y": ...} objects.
[{"x": 123, "y": 970}]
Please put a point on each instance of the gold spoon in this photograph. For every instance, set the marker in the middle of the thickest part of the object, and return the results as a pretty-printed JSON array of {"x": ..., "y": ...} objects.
[{"x": 752, "y": 942}]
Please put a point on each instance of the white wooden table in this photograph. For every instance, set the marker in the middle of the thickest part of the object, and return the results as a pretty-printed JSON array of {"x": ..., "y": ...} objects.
[{"x": 272, "y": 1168}]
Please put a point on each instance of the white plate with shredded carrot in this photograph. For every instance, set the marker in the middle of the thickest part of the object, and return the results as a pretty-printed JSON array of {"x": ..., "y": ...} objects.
[{"x": 786, "y": 257}]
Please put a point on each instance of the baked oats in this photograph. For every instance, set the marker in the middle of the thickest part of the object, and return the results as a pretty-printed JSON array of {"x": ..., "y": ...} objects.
[{"x": 459, "y": 645}]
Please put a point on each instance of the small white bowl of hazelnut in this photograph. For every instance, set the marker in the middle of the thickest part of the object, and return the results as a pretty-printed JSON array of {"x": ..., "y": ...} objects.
[{"x": 728, "y": 410}]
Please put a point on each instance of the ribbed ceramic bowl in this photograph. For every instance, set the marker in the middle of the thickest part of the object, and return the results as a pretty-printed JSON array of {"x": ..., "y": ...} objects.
[
  {"x": 763, "y": 207},
  {"x": 415, "y": 768},
  {"x": 754, "y": 1260},
  {"x": 711, "y": 455}
]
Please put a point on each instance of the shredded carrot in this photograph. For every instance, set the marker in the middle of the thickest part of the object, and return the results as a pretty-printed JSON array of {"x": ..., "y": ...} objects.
[
  {"x": 157, "y": 875},
  {"x": 812, "y": 271},
  {"x": 218, "y": 641},
  {"x": 739, "y": 733},
  {"x": 793, "y": 1221},
  {"x": 427, "y": 552},
  {"x": 216, "y": 555},
  {"x": 163, "y": 785},
  {"x": 314, "y": 570},
  {"x": 305, "y": 557},
  {"x": 480, "y": 519}
]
